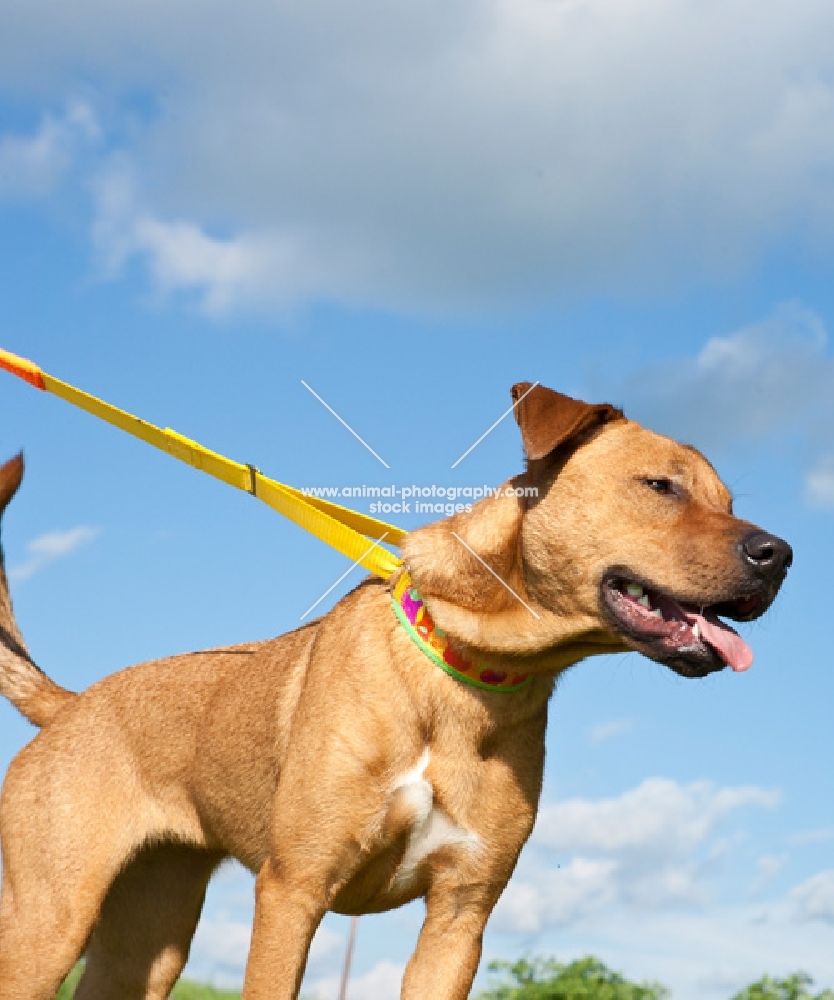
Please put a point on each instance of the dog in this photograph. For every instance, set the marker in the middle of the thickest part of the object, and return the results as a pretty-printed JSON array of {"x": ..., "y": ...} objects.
[{"x": 390, "y": 750}]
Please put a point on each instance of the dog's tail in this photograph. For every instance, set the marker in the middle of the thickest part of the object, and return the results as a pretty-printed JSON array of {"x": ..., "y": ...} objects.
[{"x": 24, "y": 684}]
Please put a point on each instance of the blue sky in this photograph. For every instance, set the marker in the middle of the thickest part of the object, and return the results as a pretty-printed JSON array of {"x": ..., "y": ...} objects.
[{"x": 411, "y": 208}]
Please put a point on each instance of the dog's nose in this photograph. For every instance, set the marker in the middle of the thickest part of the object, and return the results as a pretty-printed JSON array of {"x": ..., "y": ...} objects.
[{"x": 766, "y": 554}]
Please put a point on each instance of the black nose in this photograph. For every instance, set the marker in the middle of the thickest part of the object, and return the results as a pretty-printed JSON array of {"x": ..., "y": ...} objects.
[{"x": 766, "y": 554}]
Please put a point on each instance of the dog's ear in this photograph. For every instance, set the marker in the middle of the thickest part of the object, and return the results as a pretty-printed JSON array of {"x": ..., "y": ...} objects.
[{"x": 549, "y": 419}]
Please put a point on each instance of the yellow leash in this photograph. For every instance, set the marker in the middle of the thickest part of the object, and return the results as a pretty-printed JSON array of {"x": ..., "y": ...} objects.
[{"x": 345, "y": 530}]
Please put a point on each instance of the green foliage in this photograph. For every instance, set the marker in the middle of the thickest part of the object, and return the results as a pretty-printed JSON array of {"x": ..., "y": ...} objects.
[
  {"x": 546, "y": 979},
  {"x": 795, "y": 987},
  {"x": 182, "y": 991},
  {"x": 68, "y": 986},
  {"x": 193, "y": 991}
]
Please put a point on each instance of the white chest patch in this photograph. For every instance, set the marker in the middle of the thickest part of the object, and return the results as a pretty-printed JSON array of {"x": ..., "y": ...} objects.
[{"x": 432, "y": 827}]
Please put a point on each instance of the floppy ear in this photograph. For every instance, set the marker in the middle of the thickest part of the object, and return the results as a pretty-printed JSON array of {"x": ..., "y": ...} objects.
[{"x": 548, "y": 419}]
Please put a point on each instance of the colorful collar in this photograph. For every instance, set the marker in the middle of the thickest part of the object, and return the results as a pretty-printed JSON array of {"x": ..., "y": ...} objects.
[{"x": 416, "y": 620}]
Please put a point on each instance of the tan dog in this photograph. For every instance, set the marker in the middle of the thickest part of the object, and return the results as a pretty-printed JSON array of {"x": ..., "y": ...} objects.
[{"x": 338, "y": 762}]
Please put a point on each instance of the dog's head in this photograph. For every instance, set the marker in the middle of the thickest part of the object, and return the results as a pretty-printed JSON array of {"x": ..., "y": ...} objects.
[{"x": 614, "y": 538}]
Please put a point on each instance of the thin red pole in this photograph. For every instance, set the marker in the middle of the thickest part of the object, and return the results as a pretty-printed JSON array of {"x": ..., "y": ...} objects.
[{"x": 354, "y": 923}]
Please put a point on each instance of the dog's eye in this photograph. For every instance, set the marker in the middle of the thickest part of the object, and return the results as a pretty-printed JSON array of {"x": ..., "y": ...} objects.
[{"x": 665, "y": 487}]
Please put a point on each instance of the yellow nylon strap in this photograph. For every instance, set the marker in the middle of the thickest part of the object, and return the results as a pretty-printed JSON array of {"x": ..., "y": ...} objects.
[{"x": 344, "y": 529}]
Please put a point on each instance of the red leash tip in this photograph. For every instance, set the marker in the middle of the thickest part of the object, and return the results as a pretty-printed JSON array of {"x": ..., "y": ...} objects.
[{"x": 24, "y": 369}]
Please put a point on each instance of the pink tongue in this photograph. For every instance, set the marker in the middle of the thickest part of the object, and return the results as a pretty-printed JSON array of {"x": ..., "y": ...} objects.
[{"x": 729, "y": 645}]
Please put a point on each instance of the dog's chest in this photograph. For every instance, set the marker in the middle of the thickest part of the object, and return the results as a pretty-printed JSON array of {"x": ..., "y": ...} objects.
[{"x": 430, "y": 828}]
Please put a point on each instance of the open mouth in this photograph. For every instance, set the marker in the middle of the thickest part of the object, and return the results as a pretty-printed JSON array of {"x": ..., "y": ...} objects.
[{"x": 692, "y": 640}]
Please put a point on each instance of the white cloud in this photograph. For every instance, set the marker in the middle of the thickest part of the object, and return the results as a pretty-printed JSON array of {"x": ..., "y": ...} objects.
[
  {"x": 35, "y": 164},
  {"x": 32, "y": 164},
  {"x": 768, "y": 382},
  {"x": 327, "y": 944},
  {"x": 182, "y": 256},
  {"x": 608, "y": 730},
  {"x": 220, "y": 271},
  {"x": 820, "y": 482},
  {"x": 47, "y": 548},
  {"x": 772, "y": 377},
  {"x": 768, "y": 867},
  {"x": 659, "y": 817},
  {"x": 652, "y": 848},
  {"x": 557, "y": 897},
  {"x": 219, "y": 950},
  {"x": 700, "y": 955},
  {"x": 382, "y": 982},
  {"x": 819, "y": 836},
  {"x": 814, "y": 898},
  {"x": 456, "y": 154}
]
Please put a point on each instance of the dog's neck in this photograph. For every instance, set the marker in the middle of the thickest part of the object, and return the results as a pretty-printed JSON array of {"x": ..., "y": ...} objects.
[
  {"x": 414, "y": 616},
  {"x": 470, "y": 571}
]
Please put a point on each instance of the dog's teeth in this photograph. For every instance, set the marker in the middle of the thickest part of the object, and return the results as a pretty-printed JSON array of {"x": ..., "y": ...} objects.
[
  {"x": 634, "y": 589},
  {"x": 644, "y": 600},
  {"x": 657, "y": 613},
  {"x": 696, "y": 631}
]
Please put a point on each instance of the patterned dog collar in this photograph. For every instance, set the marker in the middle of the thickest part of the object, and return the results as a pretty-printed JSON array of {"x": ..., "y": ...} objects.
[{"x": 416, "y": 620}]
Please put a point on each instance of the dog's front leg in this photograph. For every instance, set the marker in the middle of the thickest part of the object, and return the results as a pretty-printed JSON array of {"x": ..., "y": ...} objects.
[
  {"x": 449, "y": 947},
  {"x": 286, "y": 918},
  {"x": 327, "y": 817},
  {"x": 312, "y": 857}
]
